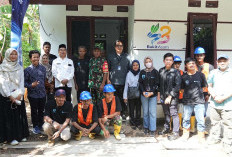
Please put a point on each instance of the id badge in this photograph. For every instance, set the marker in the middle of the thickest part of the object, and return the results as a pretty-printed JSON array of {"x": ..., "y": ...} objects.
[{"x": 119, "y": 67}]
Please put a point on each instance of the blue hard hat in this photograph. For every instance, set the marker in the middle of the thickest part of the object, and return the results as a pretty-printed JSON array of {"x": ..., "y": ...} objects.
[
  {"x": 177, "y": 59},
  {"x": 199, "y": 50},
  {"x": 85, "y": 95},
  {"x": 109, "y": 88}
]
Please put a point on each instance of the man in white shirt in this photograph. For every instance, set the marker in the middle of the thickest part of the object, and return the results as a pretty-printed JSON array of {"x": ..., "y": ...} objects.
[{"x": 63, "y": 72}]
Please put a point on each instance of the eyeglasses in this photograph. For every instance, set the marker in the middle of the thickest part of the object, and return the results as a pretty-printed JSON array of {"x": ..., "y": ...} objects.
[{"x": 119, "y": 45}]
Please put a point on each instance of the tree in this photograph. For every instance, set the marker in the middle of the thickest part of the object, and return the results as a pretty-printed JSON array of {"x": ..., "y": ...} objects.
[{"x": 30, "y": 32}]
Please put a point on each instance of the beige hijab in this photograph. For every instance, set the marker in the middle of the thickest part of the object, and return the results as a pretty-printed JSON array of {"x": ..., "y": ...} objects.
[
  {"x": 48, "y": 68},
  {"x": 9, "y": 69},
  {"x": 148, "y": 69}
]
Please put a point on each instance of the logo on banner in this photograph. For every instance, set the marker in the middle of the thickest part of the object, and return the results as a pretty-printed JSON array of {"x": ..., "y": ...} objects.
[{"x": 159, "y": 36}]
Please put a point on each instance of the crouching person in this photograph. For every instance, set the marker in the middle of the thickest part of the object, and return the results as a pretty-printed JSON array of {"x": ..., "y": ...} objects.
[
  {"x": 109, "y": 112},
  {"x": 85, "y": 118},
  {"x": 57, "y": 117}
]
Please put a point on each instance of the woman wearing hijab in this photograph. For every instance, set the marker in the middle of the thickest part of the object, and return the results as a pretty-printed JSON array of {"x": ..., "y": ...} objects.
[
  {"x": 13, "y": 119},
  {"x": 148, "y": 83},
  {"x": 131, "y": 93},
  {"x": 49, "y": 83}
]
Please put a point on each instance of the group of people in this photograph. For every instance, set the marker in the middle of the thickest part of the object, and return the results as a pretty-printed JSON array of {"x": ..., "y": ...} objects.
[{"x": 106, "y": 87}]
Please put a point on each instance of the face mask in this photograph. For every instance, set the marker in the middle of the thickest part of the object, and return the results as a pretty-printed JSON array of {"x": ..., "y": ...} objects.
[{"x": 148, "y": 65}]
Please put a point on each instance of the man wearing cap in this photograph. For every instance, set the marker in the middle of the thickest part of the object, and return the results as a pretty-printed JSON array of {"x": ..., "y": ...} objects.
[
  {"x": 109, "y": 112},
  {"x": 205, "y": 68},
  {"x": 220, "y": 85},
  {"x": 63, "y": 71},
  {"x": 57, "y": 117},
  {"x": 176, "y": 64},
  {"x": 85, "y": 118}
]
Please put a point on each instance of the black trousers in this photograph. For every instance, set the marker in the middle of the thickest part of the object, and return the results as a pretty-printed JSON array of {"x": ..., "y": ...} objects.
[
  {"x": 96, "y": 130},
  {"x": 135, "y": 107},
  {"x": 68, "y": 91},
  {"x": 171, "y": 111},
  {"x": 119, "y": 94},
  {"x": 37, "y": 110}
]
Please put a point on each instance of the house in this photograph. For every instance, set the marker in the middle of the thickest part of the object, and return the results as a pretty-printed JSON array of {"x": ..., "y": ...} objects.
[{"x": 147, "y": 27}]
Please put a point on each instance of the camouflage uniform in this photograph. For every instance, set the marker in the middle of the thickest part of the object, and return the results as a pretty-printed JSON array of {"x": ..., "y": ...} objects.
[{"x": 97, "y": 68}]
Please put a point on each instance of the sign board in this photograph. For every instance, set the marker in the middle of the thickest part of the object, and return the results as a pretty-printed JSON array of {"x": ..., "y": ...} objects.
[{"x": 159, "y": 35}]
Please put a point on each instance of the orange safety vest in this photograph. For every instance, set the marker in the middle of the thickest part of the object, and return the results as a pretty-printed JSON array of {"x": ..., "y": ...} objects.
[
  {"x": 205, "y": 71},
  {"x": 181, "y": 93},
  {"x": 105, "y": 108},
  {"x": 89, "y": 115}
]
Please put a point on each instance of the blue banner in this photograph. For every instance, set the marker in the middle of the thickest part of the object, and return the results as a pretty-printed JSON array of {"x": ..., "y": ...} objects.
[{"x": 19, "y": 8}]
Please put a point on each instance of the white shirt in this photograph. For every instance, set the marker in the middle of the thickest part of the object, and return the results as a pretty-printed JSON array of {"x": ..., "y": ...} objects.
[
  {"x": 62, "y": 69},
  {"x": 8, "y": 87},
  {"x": 131, "y": 81}
]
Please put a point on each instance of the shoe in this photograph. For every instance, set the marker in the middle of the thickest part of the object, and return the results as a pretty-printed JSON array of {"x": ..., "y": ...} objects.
[
  {"x": 51, "y": 143},
  {"x": 146, "y": 131},
  {"x": 36, "y": 130},
  {"x": 211, "y": 141},
  {"x": 180, "y": 121},
  {"x": 117, "y": 129},
  {"x": 185, "y": 135},
  {"x": 123, "y": 117},
  {"x": 192, "y": 124},
  {"x": 92, "y": 136},
  {"x": 201, "y": 137},
  {"x": 14, "y": 142},
  {"x": 174, "y": 136},
  {"x": 164, "y": 131},
  {"x": 78, "y": 136},
  {"x": 24, "y": 140},
  {"x": 152, "y": 133}
]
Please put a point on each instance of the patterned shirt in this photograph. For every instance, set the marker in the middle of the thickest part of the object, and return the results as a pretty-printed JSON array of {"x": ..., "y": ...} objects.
[
  {"x": 97, "y": 68},
  {"x": 32, "y": 74}
]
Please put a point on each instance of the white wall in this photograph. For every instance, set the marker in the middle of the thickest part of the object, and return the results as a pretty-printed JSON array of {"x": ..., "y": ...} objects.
[{"x": 53, "y": 19}]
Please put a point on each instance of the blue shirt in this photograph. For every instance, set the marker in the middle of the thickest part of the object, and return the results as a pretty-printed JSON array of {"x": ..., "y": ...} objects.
[
  {"x": 32, "y": 74},
  {"x": 222, "y": 84}
]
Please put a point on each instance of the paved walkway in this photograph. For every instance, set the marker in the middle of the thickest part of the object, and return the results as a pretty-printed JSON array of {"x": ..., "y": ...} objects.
[{"x": 128, "y": 146}]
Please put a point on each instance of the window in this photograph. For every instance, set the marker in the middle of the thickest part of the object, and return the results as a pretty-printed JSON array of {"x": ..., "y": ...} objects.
[
  {"x": 211, "y": 4},
  {"x": 194, "y": 3}
]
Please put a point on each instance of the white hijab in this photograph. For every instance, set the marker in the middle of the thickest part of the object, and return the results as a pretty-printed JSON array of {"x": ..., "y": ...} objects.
[{"x": 9, "y": 69}]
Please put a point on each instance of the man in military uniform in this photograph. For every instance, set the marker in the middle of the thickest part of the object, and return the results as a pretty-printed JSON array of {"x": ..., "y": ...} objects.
[{"x": 98, "y": 72}]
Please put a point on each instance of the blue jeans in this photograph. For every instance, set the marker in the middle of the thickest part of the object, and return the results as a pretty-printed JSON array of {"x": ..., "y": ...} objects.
[
  {"x": 199, "y": 110},
  {"x": 149, "y": 112}
]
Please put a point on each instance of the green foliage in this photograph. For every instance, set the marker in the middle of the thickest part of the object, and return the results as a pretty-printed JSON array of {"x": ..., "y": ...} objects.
[{"x": 30, "y": 32}]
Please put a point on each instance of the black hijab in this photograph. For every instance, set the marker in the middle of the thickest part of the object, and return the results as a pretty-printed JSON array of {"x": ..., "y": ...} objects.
[{"x": 133, "y": 71}]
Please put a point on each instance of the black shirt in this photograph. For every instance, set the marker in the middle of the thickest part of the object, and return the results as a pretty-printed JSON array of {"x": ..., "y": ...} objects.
[
  {"x": 58, "y": 113},
  {"x": 193, "y": 88},
  {"x": 149, "y": 81},
  {"x": 170, "y": 83},
  {"x": 101, "y": 110},
  {"x": 85, "y": 113},
  {"x": 118, "y": 68},
  {"x": 51, "y": 58},
  {"x": 81, "y": 67}
]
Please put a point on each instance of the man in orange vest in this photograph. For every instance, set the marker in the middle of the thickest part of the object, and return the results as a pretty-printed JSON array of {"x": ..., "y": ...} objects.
[
  {"x": 109, "y": 112},
  {"x": 176, "y": 64},
  {"x": 205, "y": 68},
  {"x": 85, "y": 118}
]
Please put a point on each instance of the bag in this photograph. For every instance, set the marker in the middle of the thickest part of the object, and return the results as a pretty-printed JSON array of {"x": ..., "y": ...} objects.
[{"x": 133, "y": 92}]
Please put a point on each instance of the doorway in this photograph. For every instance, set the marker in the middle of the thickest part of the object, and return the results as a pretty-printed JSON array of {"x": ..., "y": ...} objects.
[
  {"x": 202, "y": 33},
  {"x": 96, "y": 31}
]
